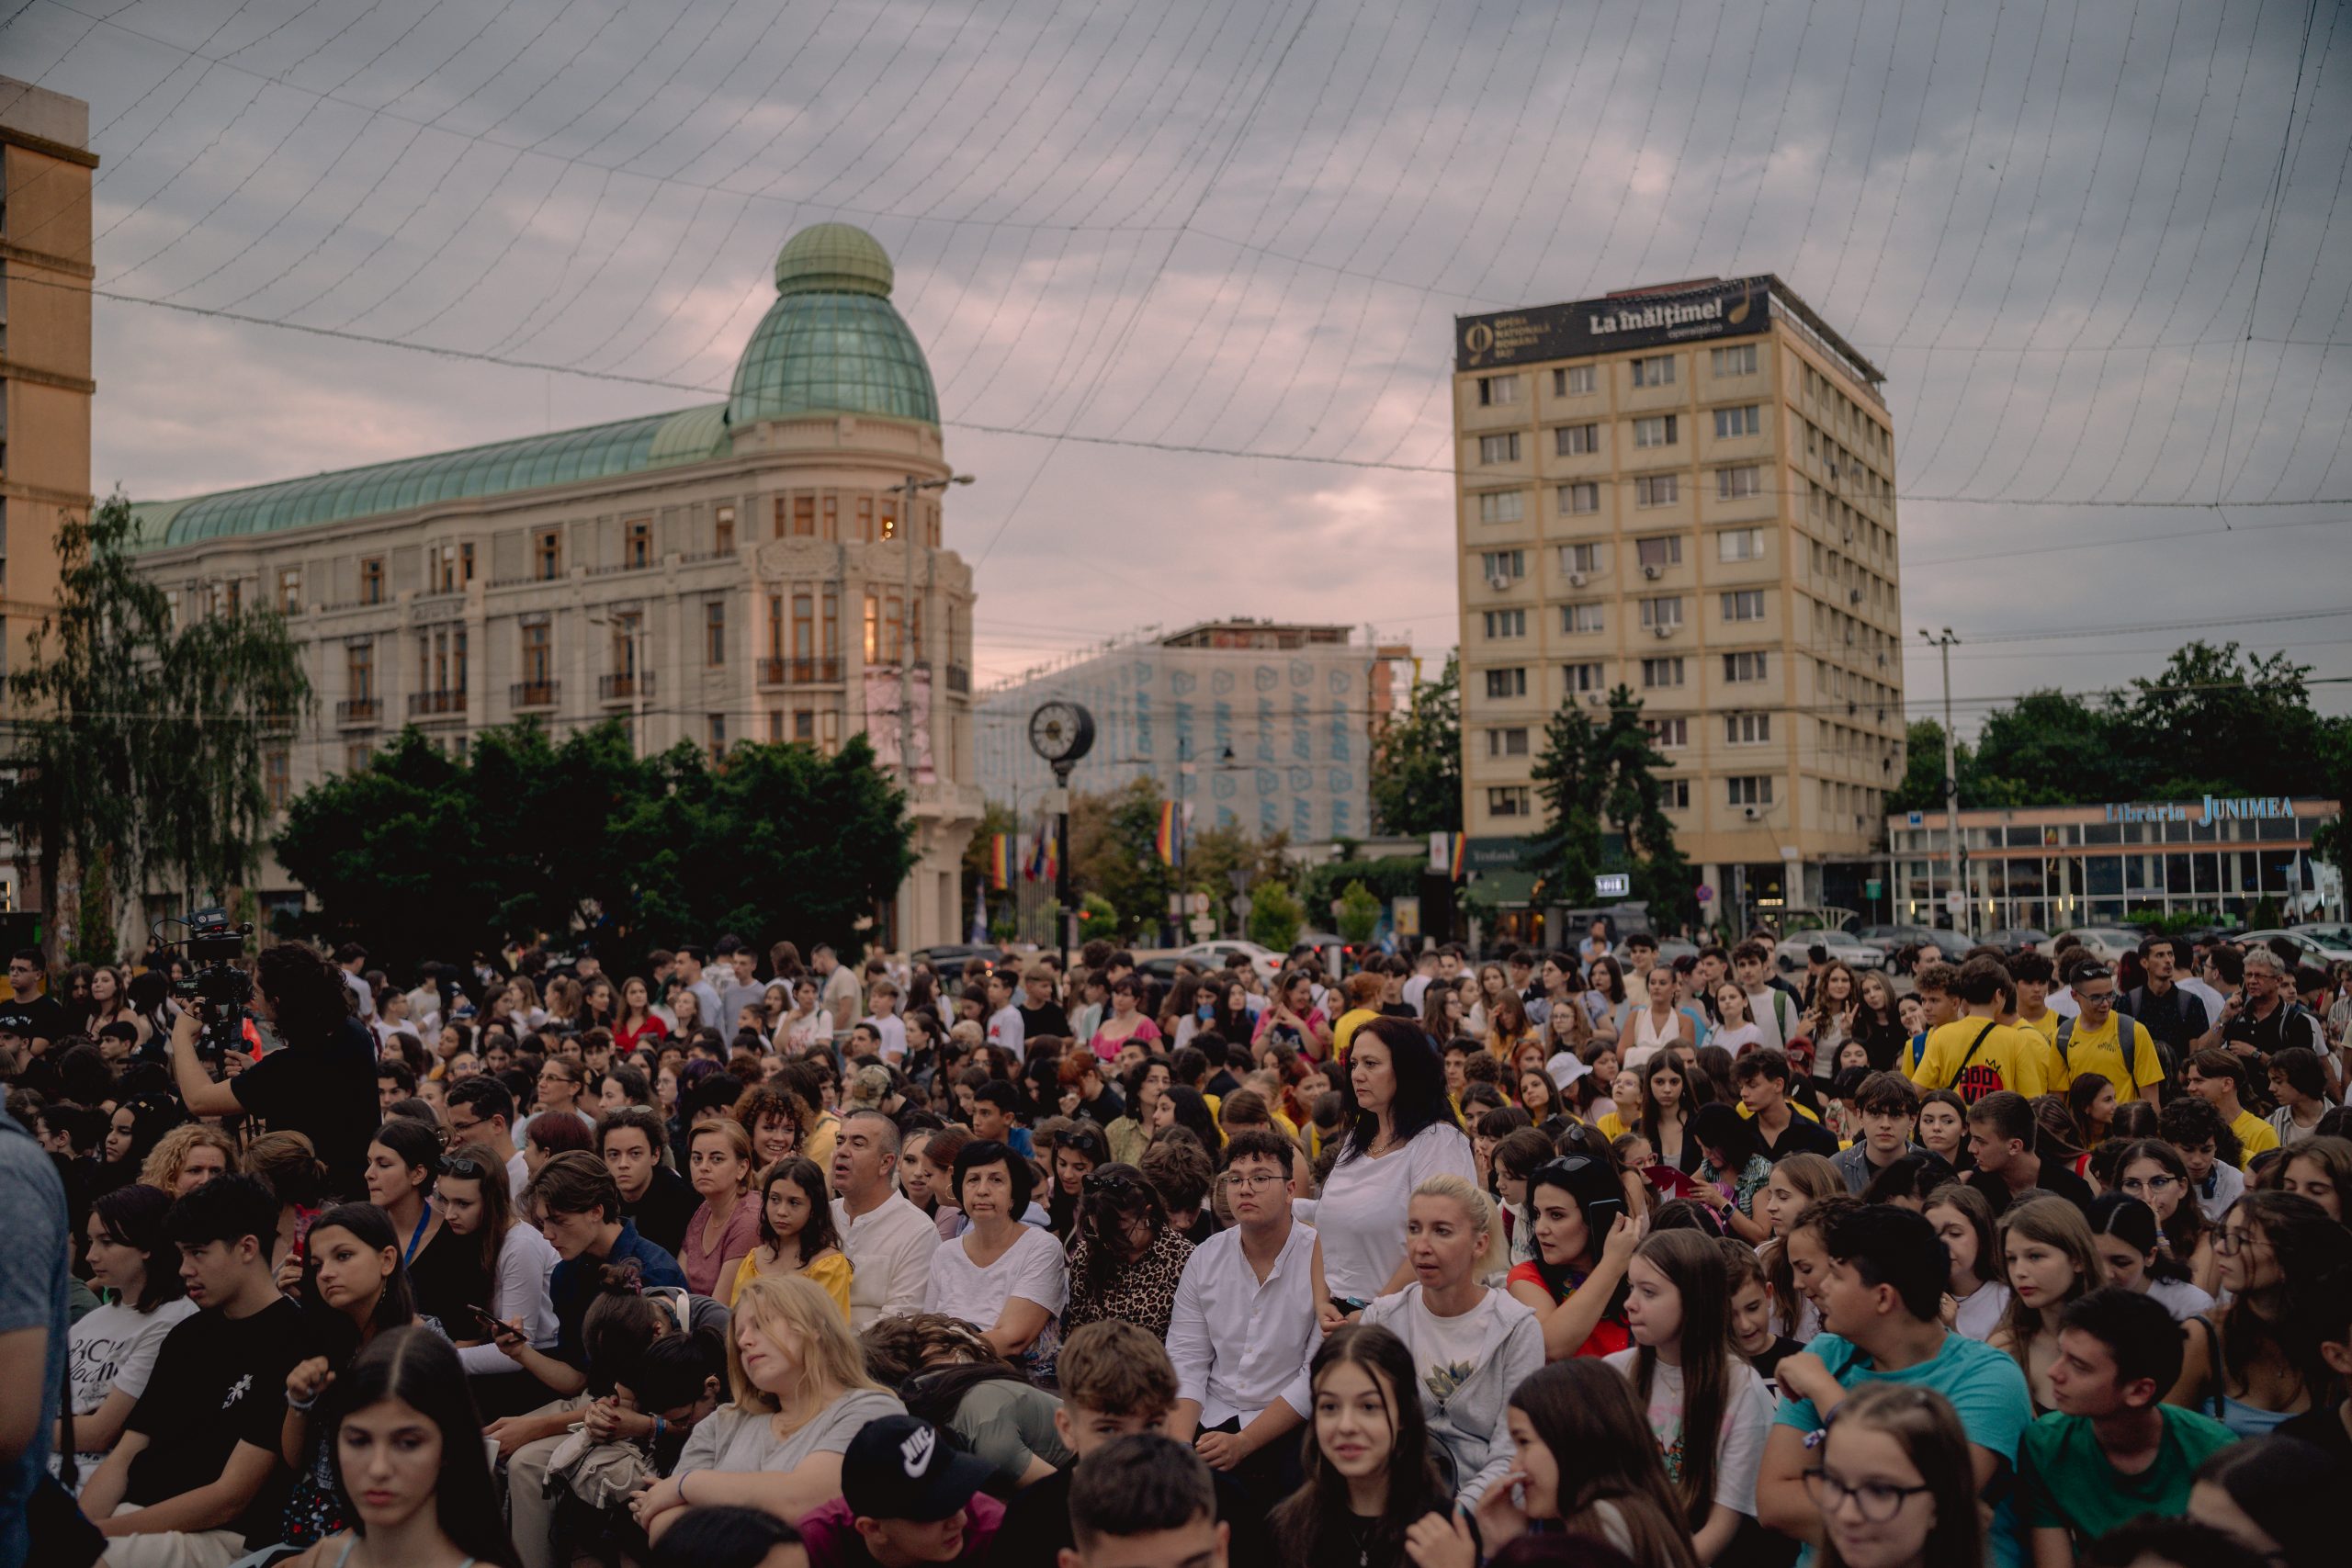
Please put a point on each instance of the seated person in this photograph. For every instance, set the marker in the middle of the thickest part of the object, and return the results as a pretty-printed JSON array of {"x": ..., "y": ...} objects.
[{"x": 909, "y": 1496}]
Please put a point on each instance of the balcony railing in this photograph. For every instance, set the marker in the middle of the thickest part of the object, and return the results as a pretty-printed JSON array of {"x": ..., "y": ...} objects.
[
  {"x": 800, "y": 671},
  {"x": 534, "y": 694},
  {"x": 624, "y": 688},
  {"x": 959, "y": 679},
  {"x": 359, "y": 711},
  {"x": 425, "y": 704}
]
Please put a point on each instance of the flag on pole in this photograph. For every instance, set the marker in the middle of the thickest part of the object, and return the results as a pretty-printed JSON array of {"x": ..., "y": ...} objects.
[
  {"x": 1036, "y": 866},
  {"x": 981, "y": 911},
  {"x": 1458, "y": 853},
  {"x": 1000, "y": 862},
  {"x": 1167, "y": 839}
]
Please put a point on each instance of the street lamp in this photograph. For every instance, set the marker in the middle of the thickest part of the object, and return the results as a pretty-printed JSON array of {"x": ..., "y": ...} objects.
[{"x": 1951, "y": 776}]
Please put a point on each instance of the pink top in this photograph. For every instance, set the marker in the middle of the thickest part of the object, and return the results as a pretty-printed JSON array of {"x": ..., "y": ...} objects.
[
  {"x": 742, "y": 1233},
  {"x": 1147, "y": 1032}
]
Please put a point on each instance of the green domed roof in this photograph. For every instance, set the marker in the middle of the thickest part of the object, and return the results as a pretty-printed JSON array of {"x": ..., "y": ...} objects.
[{"x": 833, "y": 342}]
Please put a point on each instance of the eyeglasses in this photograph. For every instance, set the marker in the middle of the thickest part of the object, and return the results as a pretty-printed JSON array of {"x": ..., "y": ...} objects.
[
  {"x": 2142, "y": 1185},
  {"x": 1257, "y": 1183},
  {"x": 2229, "y": 1244},
  {"x": 1876, "y": 1501},
  {"x": 1110, "y": 1180}
]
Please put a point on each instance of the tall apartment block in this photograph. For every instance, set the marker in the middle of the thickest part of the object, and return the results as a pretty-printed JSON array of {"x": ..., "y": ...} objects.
[{"x": 1688, "y": 491}]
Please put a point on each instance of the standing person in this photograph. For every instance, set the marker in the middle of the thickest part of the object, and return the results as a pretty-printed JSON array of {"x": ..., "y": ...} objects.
[
  {"x": 726, "y": 1227},
  {"x": 2268, "y": 1019},
  {"x": 2165, "y": 1004},
  {"x": 1403, "y": 1132},
  {"x": 1369, "y": 1475},
  {"x": 796, "y": 1233},
  {"x": 34, "y": 1344},
  {"x": 637, "y": 1021},
  {"x": 473, "y": 1203},
  {"x": 2133, "y": 1251},
  {"x": 2153, "y": 1171},
  {"x": 1041, "y": 1016},
  {"x": 320, "y": 1084},
  {"x": 1658, "y": 1026},
  {"x": 2002, "y": 1136},
  {"x": 1888, "y": 1107},
  {"x": 1976, "y": 1055},
  {"x": 1707, "y": 1409},
  {"x": 2110, "y": 1450},
  {"x": 1005, "y": 1029},
  {"x": 42, "y": 1016},
  {"x": 2050, "y": 1263},
  {"x": 562, "y": 1083},
  {"x": 115, "y": 1345},
  {"x": 2105, "y": 1040},
  {"x": 888, "y": 1241},
  {"x": 1770, "y": 1003},
  {"x": 1126, "y": 1021},
  {"x": 1781, "y": 1126},
  {"x": 2217, "y": 1077},
  {"x": 2299, "y": 1083},
  {"x": 1471, "y": 1346},
  {"x": 1895, "y": 1485},
  {"x": 1584, "y": 1239},
  {"x": 1006, "y": 1279}
]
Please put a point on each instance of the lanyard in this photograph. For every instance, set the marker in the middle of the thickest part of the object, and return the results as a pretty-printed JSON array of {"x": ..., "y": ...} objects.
[{"x": 424, "y": 1218}]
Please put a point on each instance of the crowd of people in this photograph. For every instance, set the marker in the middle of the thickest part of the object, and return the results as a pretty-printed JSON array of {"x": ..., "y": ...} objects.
[{"x": 1567, "y": 1256}]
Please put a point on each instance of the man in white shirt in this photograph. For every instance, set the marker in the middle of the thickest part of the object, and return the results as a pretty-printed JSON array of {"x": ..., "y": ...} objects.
[
  {"x": 1245, "y": 1328},
  {"x": 839, "y": 994},
  {"x": 706, "y": 995},
  {"x": 1005, "y": 1027},
  {"x": 481, "y": 1110},
  {"x": 351, "y": 958},
  {"x": 1768, "y": 1004},
  {"x": 889, "y": 1240}
]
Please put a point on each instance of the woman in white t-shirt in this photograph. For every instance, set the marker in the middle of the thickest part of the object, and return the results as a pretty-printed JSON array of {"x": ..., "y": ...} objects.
[
  {"x": 1738, "y": 1031},
  {"x": 1006, "y": 1279},
  {"x": 2125, "y": 1235},
  {"x": 1404, "y": 1132},
  {"x": 1707, "y": 1407},
  {"x": 1978, "y": 1294},
  {"x": 114, "y": 1347},
  {"x": 1471, "y": 1346}
]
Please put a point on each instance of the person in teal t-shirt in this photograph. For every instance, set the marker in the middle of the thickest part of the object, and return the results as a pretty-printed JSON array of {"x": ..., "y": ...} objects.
[
  {"x": 2111, "y": 1451},
  {"x": 1880, "y": 1294}
]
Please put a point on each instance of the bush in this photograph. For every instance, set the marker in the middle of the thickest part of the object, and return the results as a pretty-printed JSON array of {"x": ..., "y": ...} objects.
[
  {"x": 1276, "y": 916},
  {"x": 1359, "y": 914}
]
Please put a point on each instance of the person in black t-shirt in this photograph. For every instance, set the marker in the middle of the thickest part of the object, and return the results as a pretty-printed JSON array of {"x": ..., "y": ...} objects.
[
  {"x": 1040, "y": 1014},
  {"x": 652, "y": 1195},
  {"x": 43, "y": 1020},
  {"x": 198, "y": 1458},
  {"x": 2002, "y": 1134},
  {"x": 322, "y": 1083}
]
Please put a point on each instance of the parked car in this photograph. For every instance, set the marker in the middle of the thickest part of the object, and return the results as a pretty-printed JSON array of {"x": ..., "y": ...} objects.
[
  {"x": 2012, "y": 939},
  {"x": 1894, "y": 940},
  {"x": 2106, "y": 943},
  {"x": 951, "y": 957},
  {"x": 1790, "y": 954},
  {"x": 1220, "y": 956},
  {"x": 1669, "y": 950},
  {"x": 2310, "y": 941}
]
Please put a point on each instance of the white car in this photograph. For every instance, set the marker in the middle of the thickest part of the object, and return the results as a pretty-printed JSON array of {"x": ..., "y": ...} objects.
[
  {"x": 1219, "y": 956},
  {"x": 2106, "y": 943},
  {"x": 2314, "y": 941},
  {"x": 1791, "y": 952}
]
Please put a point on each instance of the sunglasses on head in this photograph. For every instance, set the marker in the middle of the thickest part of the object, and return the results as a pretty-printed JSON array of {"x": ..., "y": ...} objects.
[{"x": 464, "y": 1168}]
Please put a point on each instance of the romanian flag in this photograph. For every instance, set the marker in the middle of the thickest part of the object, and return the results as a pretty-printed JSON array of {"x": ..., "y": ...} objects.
[
  {"x": 1045, "y": 856},
  {"x": 1000, "y": 862},
  {"x": 1169, "y": 839}
]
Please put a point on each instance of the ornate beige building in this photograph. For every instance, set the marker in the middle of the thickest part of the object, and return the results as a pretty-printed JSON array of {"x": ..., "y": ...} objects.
[{"x": 741, "y": 571}]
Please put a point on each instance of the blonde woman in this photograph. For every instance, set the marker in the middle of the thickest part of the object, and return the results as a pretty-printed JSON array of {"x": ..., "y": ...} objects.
[
  {"x": 799, "y": 1393},
  {"x": 187, "y": 1157}
]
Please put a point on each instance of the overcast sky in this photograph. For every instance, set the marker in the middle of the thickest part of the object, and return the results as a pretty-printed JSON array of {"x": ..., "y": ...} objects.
[{"x": 2092, "y": 245}]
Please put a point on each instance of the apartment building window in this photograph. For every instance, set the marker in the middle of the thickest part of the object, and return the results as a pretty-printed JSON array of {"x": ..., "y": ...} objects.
[
  {"x": 371, "y": 581},
  {"x": 1583, "y": 677},
  {"x": 1655, "y": 371},
  {"x": 234, "y": 598},
  {"x": 1657, "y": 490},
  {"x": 1575, "y": 381},
  {"x": 1749, "y": 789},
  {"x": 1507, "y": 682},
  {"x": 1738, "y": 361},
  {"x": 1502, "y": 506},
  {"x": 1740, "y": 544},
  {"x": 1668, "y": 734},
  {"x": 1583, "y": 558},
  {"x": 1748, "y": 728},
  {"x": 1746, "y": 420},
  {"x": 1493, "y": 391},
  {"x": 538, "y": 655},
  {"x": 1576, "y": 500},
  {"x": 713, "y": 632},
  {"x": 1740, "y": 667},
  {"x": 804, "y": 725},
  {"x": 1499, "y": 448},
  {"x": 360, "y": 670},
  {"x": 722, "y": 530},
  {"x": 1505, "y": 623},
  {"x": 546, "y": 554},
  {"x": 1577, "y": 618},
  {"x": 1747, "y": 604},
  {"x": 1661, "y": 550},
  {"x": 1658, "y": 673},
  {"x": 889, "y": 515},
  {"x": 1662, "y": 613},
  {"x": 637, "y": 549},
  {"x": 1507, "y": 742},
  {"x": 1509, "y": 800},
  {"x": 289, "y": 590},
  {"x": 1575, "y": 440},
  {"x": 1673, "y": 794},
  {"x": 1735, "y": 484},
  {"x": 358, "y": 755},
  {"x": 1500, "y": 564},
  {"x": 1656, "y": 430},
  {"x": 718, "y": 735}
]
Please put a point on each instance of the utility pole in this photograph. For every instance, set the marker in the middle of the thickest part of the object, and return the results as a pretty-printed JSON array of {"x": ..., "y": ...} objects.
[
  {"x": 1951, "y": 776},
  {"x": 908, "y": 489}
]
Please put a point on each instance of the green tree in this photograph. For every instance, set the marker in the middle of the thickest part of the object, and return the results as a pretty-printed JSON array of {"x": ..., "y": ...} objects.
[
  {"x": 2218, "y": 722},
  {"x": 1570, "y": 780},
  {"x": 1115, "y": 853},
  {"x": 1635, "y": 805},
  {"x": 2047, "y": 749},
  {"x": 1605, "y": 810},
  {"x": 1276, "y": 916},
  {"x": 1416, "y": 782},
  {"x": 1359, "y": 914},
  {"x": 138, "y": 754}
]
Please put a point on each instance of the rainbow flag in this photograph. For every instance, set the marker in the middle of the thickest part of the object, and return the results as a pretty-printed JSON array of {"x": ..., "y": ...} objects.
[
  {"x": 1000, "y": 862},
  {"x": 1168, "y": 840},
  {"x": 1458, "y": 855}
]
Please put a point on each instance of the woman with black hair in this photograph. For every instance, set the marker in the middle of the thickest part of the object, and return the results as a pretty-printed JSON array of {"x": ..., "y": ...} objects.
[
  {"x": 444, "y": 1270},
  {"x": 1007, "y": 1278},
  {"x": 1125, "y": 1257},
  {"x": 1183, "y": 1106},
  {"x": 2263, "y": 1494},
  {"x": 2129, "y": 1242},
  {"x": 2255, "y": 1362},
  {"x": 405, "y": 1447},
  {"x": 114, "y": 1347},
  {"x": 1145, "y": 1083},
  {"x": 1403, "y": 1130},
  {"x": 354, "y": 1289},
  {"x": 1668, "y": 1103},
  {"x": 1081, "y": 1150},
  {"x": 1731, "y": 1171},
  {"x": 1369, "y": 1473},
  {"x": 730, "y": 1537},
  {"x": 138, "y": 1125},
  {"x": 1584, "y": 1240}
]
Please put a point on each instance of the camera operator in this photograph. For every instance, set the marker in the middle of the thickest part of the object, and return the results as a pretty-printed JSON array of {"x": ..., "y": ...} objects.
[{"x": 321, "y": 1084}]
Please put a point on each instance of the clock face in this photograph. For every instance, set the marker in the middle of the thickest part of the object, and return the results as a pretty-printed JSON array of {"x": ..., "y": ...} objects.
[{"x": 1061, "y": 731}]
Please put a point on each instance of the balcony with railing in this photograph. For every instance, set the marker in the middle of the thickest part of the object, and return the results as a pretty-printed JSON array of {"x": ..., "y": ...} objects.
[
  {"x": 959, "y": 679},
  {"x": 436, "y": 705},
  {"x": 800, "y": 671},
  {"x": 533, "y": 695},
  {"x": 623, "y": 688},
  {"x": 355, "y": 712}
]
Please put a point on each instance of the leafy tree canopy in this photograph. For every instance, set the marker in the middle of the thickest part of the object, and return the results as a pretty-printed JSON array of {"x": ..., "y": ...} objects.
[{"x": 1416, "y": 781}]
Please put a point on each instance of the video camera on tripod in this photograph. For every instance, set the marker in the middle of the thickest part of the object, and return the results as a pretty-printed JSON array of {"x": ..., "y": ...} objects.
[{"x": 217, "y": 988}]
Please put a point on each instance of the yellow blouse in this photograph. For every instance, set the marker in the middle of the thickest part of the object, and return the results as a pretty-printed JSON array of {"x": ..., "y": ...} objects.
[{"x": 832, "y": 1271}]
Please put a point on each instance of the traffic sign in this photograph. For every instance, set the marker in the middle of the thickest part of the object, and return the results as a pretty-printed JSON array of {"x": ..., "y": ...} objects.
[
  {"x": 1956, "y": 902},
  {"x": 1873, "y": 888},
  {"x": 1706, "y": 894}
]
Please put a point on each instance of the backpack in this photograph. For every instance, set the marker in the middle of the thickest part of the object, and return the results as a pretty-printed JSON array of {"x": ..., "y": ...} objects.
[{"x": 2125, "y": 1045}]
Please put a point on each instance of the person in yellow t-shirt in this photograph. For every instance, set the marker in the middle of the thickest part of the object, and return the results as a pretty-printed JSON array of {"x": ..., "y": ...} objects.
[
  {"x": 2032, "y": 974},
  {"x": 2217, "y": 1076},
  {"x": 2094, "y": 1042},
  {"x": 1363, "y": 992},
  {"x": 1976, "y": 1055}
]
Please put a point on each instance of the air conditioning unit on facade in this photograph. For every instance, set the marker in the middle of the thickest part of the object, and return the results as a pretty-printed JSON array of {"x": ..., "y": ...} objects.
[
  {"x": 1500, "y": 581},
  {"x": 1653, "y": 572},
  {"x": 1596, "y": 699},
  {"x": 1662, "y": 631},
  {"x": 1753, "y": 813},
  {"x": 1576, "y": 579}
]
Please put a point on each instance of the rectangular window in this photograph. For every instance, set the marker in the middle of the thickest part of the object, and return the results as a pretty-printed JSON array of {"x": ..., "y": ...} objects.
[
  {"x": 1499, "y": 448},
  {"x": 1748, "y": 728},
  {"x": 1743, "y": 421},
  {"x": 723, "y": 530},
  {"x": 1505, "y": 623},
  {"x": 890, "y": 504},
  {"x": 718, "y": 735},
  {"x": 1747, "y": 604},
  {"x": 804, "y": 516},
  {"x": 539, "y": 657},
  {"x": 1510, "y": 800},
  {"x": 289, "y": 590},
  {"x": 1507, "y": 682},
  {"x": 638, "y": 549},
  {"x": 1661, "y": 551},
  {"x": 1496, "y": 390},
  {"x": 1661, "y": 672},
  {"x": 1574, "y": 619},
  {"x": 1507, "y": 742},
  {"x": 276, "y": 777},
  {"x": 1582, "y": 677},
  {"x": 1747, "y": 666},
  {"x": 1734, "y": 484},
  {"x": 1662, "y": 613},
  {"x": 1498, "y": 565},
  {"x": 1740, "y": 544},
  {"x": 371, "y": 581},
  {"x": 714, "y": 633},
  {"x": 1575, "y": 440},
  {"x": 1583, "y": 558},
  {"x": 1673, "y": 794},
  {"x": 1749, "y": 789},
  {"x": 1657, "y": 490},
  {"x": 1655, "y": 371},
  {"x": 1669, "y": 734},
  {"x": 1575, "y": 381},
  {"x": 804, "y": 724},
  {"x": 1579, "y": 499},
  {"x": 360, "y": 670},
  {"x": 548, "y": 554},
  {"x": 1738, "y": 361},
  {"x": 1502, "y": 506},
  {"x": 358, "y": 755},
  {"x": 1656, "y": 430}
]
